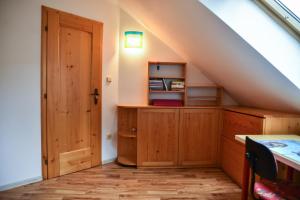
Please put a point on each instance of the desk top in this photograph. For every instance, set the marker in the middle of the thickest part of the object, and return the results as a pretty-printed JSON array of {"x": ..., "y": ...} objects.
[
  {"x": 260, "y": 112},
  {"x": 239, "y": 109},
  {"x": 286, "y": 154}
]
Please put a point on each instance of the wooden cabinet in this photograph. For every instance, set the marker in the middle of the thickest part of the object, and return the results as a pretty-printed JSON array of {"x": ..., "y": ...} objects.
[
  {"x": 191, "y": 136},
  {"x": 158, "y": 137},
  {"x": 249, "y": 121},
  {"x": 233, "y": 152},
  {"x": 199, "y": 137},
  {"x": 238, "y": 123},
  {"x": 149, "y": 137}
]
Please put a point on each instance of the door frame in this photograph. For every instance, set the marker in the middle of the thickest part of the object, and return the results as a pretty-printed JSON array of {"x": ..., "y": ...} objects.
[{"x": 44, "y": 27}]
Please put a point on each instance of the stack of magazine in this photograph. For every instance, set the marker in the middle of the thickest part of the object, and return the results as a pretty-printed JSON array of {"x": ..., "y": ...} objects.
[
  {"x": 177, "y": 85},
  {"x": 156, "y": 84}
]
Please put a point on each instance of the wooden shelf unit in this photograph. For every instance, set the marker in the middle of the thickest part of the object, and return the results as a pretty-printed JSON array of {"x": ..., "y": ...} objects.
[
  {"x": 167, "y": 71},
  {"x": 163, "y": 91},
  {"x": 166, "y": 77},
  {"x": 126, "y": 161},
  {"x": 168, "y": 137},
  {"x": 127, "y": 136},
  {"x": 201, "y": 95}
]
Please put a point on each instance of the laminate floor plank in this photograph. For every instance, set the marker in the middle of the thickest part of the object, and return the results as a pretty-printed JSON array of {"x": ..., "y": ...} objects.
[{"x": 114, "y": 182}]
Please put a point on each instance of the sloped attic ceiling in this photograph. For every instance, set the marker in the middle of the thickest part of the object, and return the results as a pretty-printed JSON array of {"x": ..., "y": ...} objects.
[{"x": 203, "y": 39}]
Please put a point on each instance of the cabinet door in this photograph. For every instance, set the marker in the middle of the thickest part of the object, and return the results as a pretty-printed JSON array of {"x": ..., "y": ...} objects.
[
  {"x": 157, "y": 137},
  {"x": 199, "y": 137}
]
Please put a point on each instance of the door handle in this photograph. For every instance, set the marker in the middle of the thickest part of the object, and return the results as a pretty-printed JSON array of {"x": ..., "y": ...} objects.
[{"x": 95, "y": 95}]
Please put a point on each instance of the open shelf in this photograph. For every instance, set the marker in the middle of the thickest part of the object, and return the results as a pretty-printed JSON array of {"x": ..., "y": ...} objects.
[
  {"x": 164, "y": 91},
  {"x": 163, "y": 80},
  {"x": 127, "y": 140},
  {"x": 166, "y": 77},
  {"x": 204, "y": 95},
  {"x": 127, "y": 135},
  {"x": 126, "y": 161},
  {"x": 201, "y": 97},
  {"x": 204, "y": 86}
]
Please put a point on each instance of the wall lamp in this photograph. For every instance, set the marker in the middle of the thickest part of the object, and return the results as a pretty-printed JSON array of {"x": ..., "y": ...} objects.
[{"x": 133, "y": 39}]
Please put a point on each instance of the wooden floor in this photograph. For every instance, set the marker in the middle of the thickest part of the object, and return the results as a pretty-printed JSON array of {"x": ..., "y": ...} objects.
[{"x": 116, "y": 182}]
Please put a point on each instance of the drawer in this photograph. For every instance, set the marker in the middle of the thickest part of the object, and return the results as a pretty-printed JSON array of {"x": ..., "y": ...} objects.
[
  {"x": 232, "y": 159},
  {"x": 237, "y": 123}
]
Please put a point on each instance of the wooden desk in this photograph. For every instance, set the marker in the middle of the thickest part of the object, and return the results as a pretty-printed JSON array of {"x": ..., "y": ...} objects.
[{"x": 280, "y": 157}]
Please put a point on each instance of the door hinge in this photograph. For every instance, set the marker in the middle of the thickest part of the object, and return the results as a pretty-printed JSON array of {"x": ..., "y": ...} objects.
[
  {"x": 45, "y": 95},
  {"x": 46, "y": 161},
  {"x": 46, "y": 28}
]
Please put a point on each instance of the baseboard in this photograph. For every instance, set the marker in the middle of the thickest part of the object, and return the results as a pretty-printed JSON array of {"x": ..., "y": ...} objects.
[
  {"x": 108, "y": 161},
  {"x": 20, "y": 183},
  {"x": 39, "y": 178}
]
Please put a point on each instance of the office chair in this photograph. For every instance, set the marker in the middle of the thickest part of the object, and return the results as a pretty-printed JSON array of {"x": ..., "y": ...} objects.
[{"x": 263, "y": 164}]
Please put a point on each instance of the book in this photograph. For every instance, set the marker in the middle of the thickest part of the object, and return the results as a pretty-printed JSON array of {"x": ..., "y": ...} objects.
[
  {"x": 165, "y": 84},
  {"x": 156, "y": 84},
  {"x": 177, "y": 85}
]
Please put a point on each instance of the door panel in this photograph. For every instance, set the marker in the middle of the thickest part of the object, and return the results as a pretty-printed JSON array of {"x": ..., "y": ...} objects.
[
  {"x": 157, "y": 137},
  {"x": 73, "y": 119},
  {"x": 74, "y": 103},
  {"x": 199, "y": 137},
  {"x": 72, "y": 161}
]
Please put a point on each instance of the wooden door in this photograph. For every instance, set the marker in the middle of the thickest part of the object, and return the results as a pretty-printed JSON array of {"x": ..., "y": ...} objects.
[
  {"x": 199, "y": 136},
  {"x": 71, "y": 61},
  {"x": 157, "y": 137}
]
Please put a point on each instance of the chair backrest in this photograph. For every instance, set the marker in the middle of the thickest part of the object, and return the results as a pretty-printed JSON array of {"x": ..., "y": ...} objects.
[{"x": 261, "y": 160}]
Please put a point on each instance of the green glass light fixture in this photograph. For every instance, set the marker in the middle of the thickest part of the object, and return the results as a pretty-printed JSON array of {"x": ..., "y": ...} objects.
[{"x": 133, "y": 39}]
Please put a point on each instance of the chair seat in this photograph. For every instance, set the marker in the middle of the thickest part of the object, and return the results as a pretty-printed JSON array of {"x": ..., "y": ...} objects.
[{"x": 280, "y": 190}]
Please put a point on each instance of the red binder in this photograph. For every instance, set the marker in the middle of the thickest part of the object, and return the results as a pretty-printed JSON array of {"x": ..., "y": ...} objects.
[{"x": 167, "y": 102}]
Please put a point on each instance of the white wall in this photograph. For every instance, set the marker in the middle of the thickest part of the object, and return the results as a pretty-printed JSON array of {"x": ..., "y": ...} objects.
[
  {"x": 133, "y": 80},
  {"x": 20, "y": 127}
]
